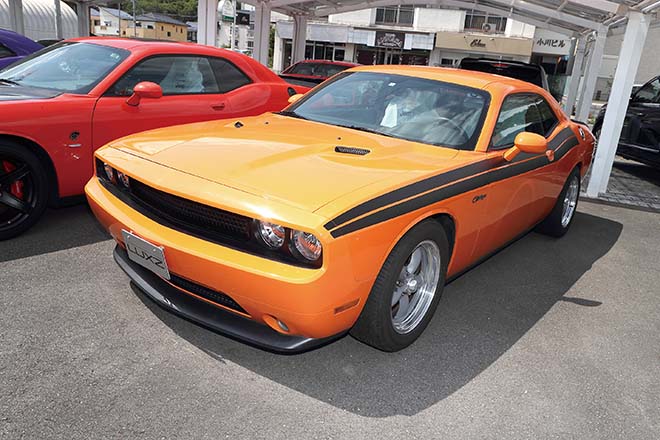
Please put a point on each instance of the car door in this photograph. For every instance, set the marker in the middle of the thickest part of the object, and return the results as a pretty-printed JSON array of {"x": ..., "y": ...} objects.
[
  {"x": 517, "y": 203},
  {"x": 193, "y": 91},
  {"x": 640, "y": 136}
]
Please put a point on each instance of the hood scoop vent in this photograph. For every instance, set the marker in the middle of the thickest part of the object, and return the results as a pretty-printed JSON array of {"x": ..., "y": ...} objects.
[{"x": 352, "y": 150}]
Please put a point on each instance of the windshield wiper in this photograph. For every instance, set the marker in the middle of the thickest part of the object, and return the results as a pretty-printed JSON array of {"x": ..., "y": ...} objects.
[
  {"x": 291, "y": 113},
  {"x": 9, "y": 81},
  {"x": 365, "y": 129}
]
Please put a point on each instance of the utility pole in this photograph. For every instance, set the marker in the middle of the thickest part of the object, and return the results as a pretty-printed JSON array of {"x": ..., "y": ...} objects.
[
  {"x": 134, "y": 20},
  {"x": 233, "y": 27},
  {"x": 119, "y": 18}
]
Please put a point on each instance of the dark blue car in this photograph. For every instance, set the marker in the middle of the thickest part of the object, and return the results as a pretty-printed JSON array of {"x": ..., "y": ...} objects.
[{"x": 15, "y": 46}]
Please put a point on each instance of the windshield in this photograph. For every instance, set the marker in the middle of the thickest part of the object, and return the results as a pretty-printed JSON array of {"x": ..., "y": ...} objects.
[
  {"x": 66, "y": 67},
  {"x": 405, "y": 107}
]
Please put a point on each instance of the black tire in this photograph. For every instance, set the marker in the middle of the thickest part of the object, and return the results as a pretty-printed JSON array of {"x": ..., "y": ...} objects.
[
  {"x": 20, "y": 210},
  {"x": 552, "y": 225},
  {"x": 375, "y": 325}
]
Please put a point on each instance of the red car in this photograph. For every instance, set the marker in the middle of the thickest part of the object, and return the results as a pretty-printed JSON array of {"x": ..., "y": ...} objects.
[
  {"x": 58, "y": 106},
  {"x": 311, "y": 72}
]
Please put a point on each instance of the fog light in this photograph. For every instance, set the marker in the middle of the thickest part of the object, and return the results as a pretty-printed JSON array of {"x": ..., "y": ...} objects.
[{"x": 282, "y": 325}]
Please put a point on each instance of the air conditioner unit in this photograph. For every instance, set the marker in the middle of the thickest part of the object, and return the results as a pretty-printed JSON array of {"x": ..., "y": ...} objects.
[{"x": 487, "y": 28}]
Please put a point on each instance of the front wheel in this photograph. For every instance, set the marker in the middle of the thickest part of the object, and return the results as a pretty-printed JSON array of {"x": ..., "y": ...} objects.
[
  {"x": 406, "y": 292},
  {"x": 23, "y": 189},
  {"x": 557, "y": 223}
]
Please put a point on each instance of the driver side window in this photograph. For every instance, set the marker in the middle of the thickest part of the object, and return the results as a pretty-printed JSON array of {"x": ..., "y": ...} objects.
[
  {"x": 522, "y": 112},
  {"x": 649, "y": 93},
  {"x": 176, "y": 75}
]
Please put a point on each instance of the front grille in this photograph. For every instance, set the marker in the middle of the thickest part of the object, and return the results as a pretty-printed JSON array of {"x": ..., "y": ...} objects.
[
  {"x": 206, "y": 293},
  {"x": 188, "y": 215}
]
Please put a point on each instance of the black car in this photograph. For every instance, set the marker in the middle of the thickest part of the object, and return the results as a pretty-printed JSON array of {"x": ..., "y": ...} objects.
[
  {"x": 532, "y": 73},
  {"x": 640, "y": 136}
]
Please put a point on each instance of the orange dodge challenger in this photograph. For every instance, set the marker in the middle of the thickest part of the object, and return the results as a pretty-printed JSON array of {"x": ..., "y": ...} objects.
[{"x": 346, "y": 212}]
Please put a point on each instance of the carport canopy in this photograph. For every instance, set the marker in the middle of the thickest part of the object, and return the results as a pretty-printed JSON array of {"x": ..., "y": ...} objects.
[{"x": 588, "y": 21}]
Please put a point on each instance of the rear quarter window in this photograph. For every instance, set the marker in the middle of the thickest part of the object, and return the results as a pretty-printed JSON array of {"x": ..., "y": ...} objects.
[{"x": 6, "y": 52}]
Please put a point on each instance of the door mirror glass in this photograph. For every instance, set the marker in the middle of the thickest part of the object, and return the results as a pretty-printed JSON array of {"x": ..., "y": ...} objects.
[{"x": 145, "y": 89}]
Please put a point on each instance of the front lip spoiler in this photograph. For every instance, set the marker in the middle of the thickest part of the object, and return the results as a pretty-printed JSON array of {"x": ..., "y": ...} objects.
[{"x": 214, "y": 318}]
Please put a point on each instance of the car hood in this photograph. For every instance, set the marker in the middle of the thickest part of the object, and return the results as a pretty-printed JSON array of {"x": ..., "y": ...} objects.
[
  {"x": 287, "y": 159},
  {"x": 20, "y": 93}
]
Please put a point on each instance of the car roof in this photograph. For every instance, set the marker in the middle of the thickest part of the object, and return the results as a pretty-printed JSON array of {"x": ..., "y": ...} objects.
[
  {"x": 133, "y": 43},
  {"x": 337, "y": 63},
  {"x": 495, "y": 60},
  {"x": 16, "y": 41},
  {"x": 468, "y": 78}
]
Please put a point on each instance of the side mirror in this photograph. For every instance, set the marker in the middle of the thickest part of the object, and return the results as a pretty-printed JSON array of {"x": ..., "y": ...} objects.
[
  {"x": 527, "y": 142},
  {"x": 144, "y": 89},
  {"x": 295, "y": 97}
]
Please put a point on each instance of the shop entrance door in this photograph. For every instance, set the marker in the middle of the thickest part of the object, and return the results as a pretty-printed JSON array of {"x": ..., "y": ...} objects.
[{"x": 389, "y": 56}]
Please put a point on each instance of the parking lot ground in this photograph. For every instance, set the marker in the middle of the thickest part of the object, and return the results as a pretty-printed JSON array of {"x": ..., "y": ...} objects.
[
  {"x": 547, "y": 339},
  {"x": 632, "y": 184}
]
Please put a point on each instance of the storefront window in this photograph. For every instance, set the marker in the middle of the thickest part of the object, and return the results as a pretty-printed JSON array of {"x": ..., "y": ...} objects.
[
  {"x": 398, "y": 15},
  {"x": 484, "y": 22},
  {"x": 317, "y": 50}
]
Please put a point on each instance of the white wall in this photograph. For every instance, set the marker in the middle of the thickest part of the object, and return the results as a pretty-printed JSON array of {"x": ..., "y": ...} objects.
[
  {"x": 364, "y": 17},
  {"x": 519, "y": 29},
  {"x": 649, "y": 67},
  {"x": 427, "y": 19}
]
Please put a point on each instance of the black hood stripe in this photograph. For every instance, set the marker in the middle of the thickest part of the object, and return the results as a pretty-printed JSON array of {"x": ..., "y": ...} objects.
[
  {"x": 501, "y": 173},
  {"x": 436, "y": 181}
]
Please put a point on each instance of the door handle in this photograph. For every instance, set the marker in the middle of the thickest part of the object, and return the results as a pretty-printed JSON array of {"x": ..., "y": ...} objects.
[{"x": 219, "y": 106}]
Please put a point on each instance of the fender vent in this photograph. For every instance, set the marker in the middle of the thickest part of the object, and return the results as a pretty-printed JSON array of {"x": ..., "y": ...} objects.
[{"x": 352, "y": 150}]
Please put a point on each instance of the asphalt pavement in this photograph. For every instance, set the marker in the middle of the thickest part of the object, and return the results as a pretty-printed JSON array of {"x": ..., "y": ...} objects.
[{"x": 547, "y": 339}]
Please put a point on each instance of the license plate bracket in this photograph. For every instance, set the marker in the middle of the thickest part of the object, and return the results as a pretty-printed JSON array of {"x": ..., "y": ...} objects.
[{"x": 146, "y": 254}]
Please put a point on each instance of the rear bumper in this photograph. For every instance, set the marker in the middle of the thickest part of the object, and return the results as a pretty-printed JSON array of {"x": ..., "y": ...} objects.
[{"x": 215, "y": 318}]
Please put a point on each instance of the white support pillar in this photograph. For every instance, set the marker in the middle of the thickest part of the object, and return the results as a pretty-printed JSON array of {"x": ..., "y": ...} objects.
[
  {"x": 261, "y": 32},
  {"x": 591, "y": 76},
  {"x": 58, "y": 20},
  {"x": 299, "y": 38},
  {"x": 16, "y": 20},
  {"x": 617, "y": 104},
  {"x": 576, "y": 74},
  {"x": 82, "y": 10},
  {"x": 207, "y": 22}
]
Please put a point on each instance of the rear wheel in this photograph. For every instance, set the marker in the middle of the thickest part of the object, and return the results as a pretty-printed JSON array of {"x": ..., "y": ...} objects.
[
  {"x": 407, "y": 290},
  {"x": 561, "y": 217},
  {"x": 23, "y": 189}
]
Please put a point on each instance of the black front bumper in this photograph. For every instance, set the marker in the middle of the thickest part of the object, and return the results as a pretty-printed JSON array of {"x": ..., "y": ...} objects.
[{"x": 215, "y": 318}]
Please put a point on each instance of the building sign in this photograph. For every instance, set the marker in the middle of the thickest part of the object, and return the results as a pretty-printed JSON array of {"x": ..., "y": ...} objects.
[
  {"x": 226, "y": 9},
  {"x": 551, "y": 43},
  {"x": 496, "y": 44},
  {"x": 392, "y": 40}
]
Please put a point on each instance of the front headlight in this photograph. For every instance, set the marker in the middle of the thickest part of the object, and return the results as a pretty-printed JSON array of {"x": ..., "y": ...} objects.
[
  {"x": 271, "y": 234},
  {"x": 307, "y": 245},
  {"x": 109, "y": 172}
]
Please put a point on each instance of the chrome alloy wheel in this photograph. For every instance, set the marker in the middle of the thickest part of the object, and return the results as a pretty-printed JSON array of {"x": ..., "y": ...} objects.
[
  {"x": 416, "y": 287},
  {"x": 570, "y": 201}
]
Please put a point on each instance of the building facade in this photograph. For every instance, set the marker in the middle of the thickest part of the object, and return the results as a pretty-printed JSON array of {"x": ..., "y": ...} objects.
[
  {"x": 415, "y": 35},
  {"x": 112, "y": 22}
]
